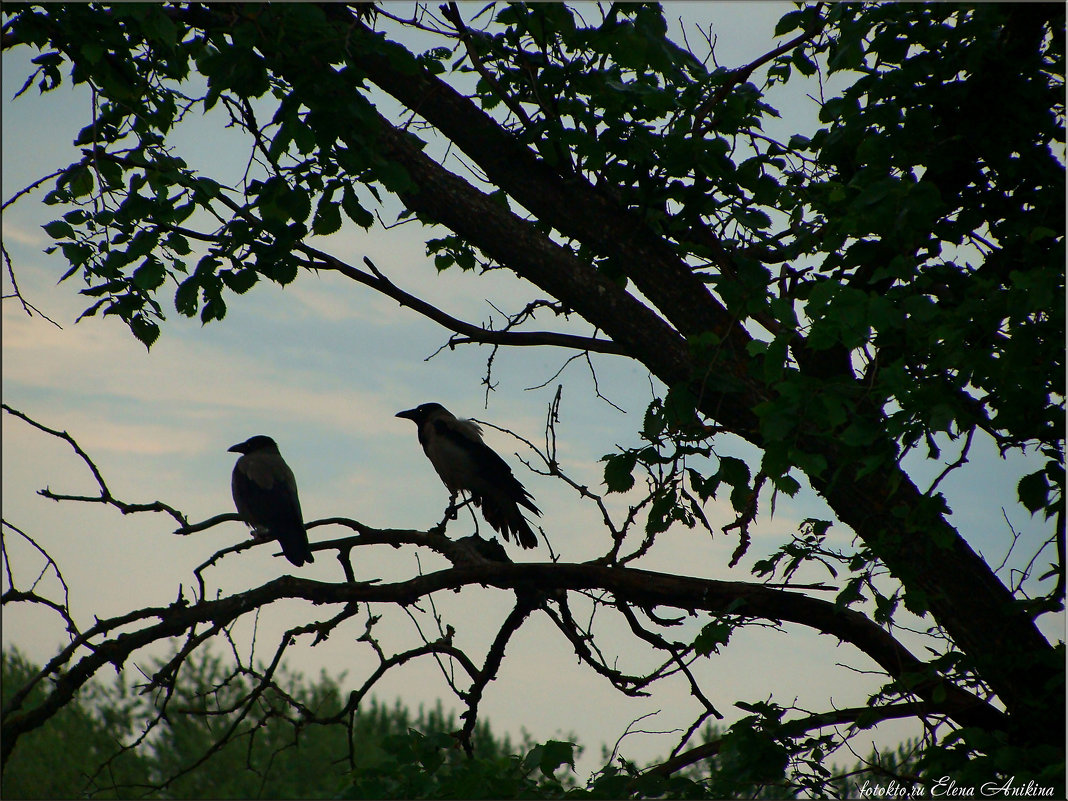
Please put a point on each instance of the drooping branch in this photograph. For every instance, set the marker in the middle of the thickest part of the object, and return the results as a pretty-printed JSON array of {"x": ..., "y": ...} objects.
[
  {"x": 375, "y": 279},
  {"x": 16, "y": 293},
  {"x": 525, "y": 602},
  {"x": 677, "y": 653},
  {"x": 629, "y": 585},
  {"x": 584, "y": 645}
]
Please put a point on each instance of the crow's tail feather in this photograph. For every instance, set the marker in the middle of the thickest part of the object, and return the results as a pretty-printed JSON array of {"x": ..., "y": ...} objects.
[{"x": 294, "y": 544}]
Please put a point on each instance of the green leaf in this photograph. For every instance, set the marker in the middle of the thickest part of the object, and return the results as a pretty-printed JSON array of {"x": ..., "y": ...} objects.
[
  {"x": 296, "y": 203},
  {"x": 77, "y": 254},
  {"x": 145, "y": 330},
  {"x": 618, "y": 471},
  {"x": 838, "y": 107},
  {"x": 59, "y": 229},
  {"x": 812, "y": 464},
  {"x": 1040, "y": 232},
  {"x": 214, "y": 309},
  {"x": 240, "y": 281},
  {"x": 150, "y": 275},
  {"x": 733, "y": 471},
  {"x": 790, "y": 21},
  {"x": 81, "y": 183},
  {"x": 680, "y": 405},
  {"x": 753, "y": 219},
  {"x": 850, "y": 593},
  {"x": 553, "y": 754},
  {"x": 713, "y": 635},
  {"x": 786, "y": 484},
  {"x": 654, "y": 423},
  {"x": 775, "y": 357},
  {"x": 161, "y": 28},
  {"x": 327, "y": 218},
  {"x": 753, "y": 755},
  {"x": 393, "y": 176},
  {"x": 662, "y": 512},
  {"x": 178, "y": 243},
  {"x": 355, "y": 211},
  {"x": 1033, "y": 491},
  {"x": 303, "y": 137},
  {"x": 876, "y": 192},
  {"x": 185, "y": 298},
  {"x": 804, "y": 64}
]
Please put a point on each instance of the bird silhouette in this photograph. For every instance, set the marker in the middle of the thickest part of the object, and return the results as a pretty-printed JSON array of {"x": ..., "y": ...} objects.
[
  {"x": 265, "y": 493},
  {"x": 465, "y": 463}
]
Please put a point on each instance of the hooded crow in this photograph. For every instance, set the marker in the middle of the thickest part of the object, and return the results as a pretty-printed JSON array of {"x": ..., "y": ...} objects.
[
  {"x": 265, "y": 493},
  {"x": 465, "y": 463}
]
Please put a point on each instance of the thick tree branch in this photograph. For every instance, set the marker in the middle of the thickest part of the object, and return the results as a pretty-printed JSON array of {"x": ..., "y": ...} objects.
[
  {"x": 630, "y": 585},
  {"x": 571, "y": 205}
]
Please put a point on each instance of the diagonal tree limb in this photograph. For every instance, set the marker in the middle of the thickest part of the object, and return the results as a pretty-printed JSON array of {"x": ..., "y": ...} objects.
[
  {"x": 525, "y": 603},
  {"x": 380, "y": 283},
  {"x": 105, "y": 496}
]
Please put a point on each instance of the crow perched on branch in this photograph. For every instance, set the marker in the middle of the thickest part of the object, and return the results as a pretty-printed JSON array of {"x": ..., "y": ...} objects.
[
  {"x": 466, "y": 464},
  {"x": 265, "y": 493}
]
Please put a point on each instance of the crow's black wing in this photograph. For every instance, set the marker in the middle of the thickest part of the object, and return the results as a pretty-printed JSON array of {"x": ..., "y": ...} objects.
[
  {"x": 486, "y": 463},
  {"x": 489, "y": 480}
]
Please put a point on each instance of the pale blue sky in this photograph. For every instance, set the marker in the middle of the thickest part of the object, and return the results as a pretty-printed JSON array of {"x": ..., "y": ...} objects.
[{"x": 322, "y": 366}]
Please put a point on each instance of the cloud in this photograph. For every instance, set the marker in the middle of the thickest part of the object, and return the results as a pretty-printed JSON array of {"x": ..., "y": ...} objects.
[
  {"x": 184, "y": 377},
  {"x": 29, "y": 236}
]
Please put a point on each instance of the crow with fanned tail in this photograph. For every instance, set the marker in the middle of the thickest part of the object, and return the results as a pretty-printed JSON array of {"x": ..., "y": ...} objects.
[{"x": 466, "y": 464}]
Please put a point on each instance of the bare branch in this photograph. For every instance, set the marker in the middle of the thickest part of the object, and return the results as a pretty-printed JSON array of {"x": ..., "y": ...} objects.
[
  {"x": 676, "y": 652},
  {"x": 960, "y": 462},
  {"x": 28, "y": 307},
  {"x": 584, "y": 645},
  {"x": 105, "y": 496},
  {"x": 378, "y": 281},
  {"x": 742, "y": 74},
  {"x": 525, "y": 602},
  {"x": 27, "y": 189}
]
